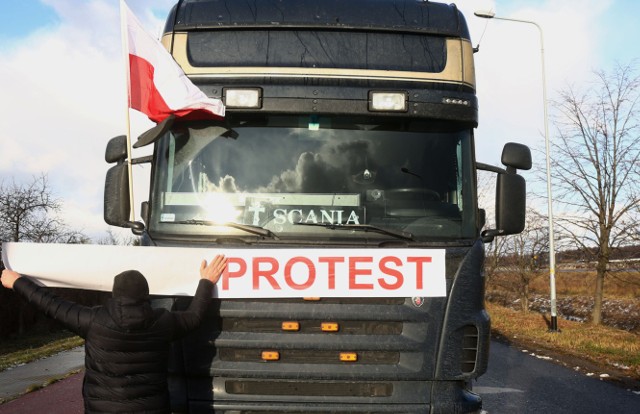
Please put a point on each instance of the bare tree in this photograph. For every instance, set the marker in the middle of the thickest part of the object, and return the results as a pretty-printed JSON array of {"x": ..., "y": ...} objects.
[
  {"x": 595, "y": 166},
  {"x": 27, "y": 213},
  {"x": 118, "y": 239},
  {"x": 495, "y": 250},
  {"x": 495, "y": 256},
  {"x": 525, "y": 251},
  {"x": 25, "y": 209},
  {"x": 519, "y": 258}
]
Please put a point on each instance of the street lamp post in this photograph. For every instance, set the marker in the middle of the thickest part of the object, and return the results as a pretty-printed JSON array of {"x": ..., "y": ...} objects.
[{"x": 552, "y": 254}]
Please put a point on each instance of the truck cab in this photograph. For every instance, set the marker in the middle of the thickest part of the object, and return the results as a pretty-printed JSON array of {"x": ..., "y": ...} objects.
[{"x": 349, "y": 125}]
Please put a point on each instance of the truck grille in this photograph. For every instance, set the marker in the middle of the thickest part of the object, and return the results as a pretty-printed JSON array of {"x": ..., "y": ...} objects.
[
  {"x": 302, "y": 388},
  {"x": 351, "y": 339},
  {"x": 311, "y": 326},
  {"x": 309, "y": 357}
]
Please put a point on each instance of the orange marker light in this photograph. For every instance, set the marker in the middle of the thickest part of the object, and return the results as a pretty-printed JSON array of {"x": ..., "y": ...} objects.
[
  {"x": 311, "y": 299},
  {"x": 290, "y": 326},
  {"x": 348, "y": 356},
  {"x": 329, "y": 327},
  {"x": 270, "y": 355}
]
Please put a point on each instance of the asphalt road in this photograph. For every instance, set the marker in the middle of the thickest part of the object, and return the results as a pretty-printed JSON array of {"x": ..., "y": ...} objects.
[
  {"x": 62, "y": 397},
  {"x": 522, "y": 382},
  {"x": 516, "y": 382}
]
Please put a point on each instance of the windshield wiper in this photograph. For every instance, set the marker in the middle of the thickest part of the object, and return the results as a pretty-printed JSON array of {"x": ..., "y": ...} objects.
[
  {"x": 362, "y": 227},
  {"x": 245, "y": 227}
]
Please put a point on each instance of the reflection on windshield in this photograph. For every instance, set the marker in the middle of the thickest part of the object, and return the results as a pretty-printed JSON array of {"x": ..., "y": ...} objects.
[{"x": 284, "y": 171}]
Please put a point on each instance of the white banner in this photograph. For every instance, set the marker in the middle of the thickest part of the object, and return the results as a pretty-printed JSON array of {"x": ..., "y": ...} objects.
[{"x": 251, "y": 273}]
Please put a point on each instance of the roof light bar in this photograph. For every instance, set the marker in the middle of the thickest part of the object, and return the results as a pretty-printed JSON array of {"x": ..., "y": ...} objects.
[{"x": 455, "y": 101}]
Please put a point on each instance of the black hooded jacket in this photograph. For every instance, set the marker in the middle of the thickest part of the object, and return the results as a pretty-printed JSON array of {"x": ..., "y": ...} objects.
[{"x": 126, "y": 345}]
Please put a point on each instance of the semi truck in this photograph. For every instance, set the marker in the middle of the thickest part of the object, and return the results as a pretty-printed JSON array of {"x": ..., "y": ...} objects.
[{"x": 349, "y": 125}]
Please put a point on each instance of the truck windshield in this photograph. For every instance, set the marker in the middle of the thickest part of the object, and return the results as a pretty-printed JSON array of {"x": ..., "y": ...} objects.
[{"x": 306, "y": 177}]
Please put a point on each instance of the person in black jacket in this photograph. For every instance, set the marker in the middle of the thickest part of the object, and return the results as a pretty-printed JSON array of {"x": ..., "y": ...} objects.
[{"x": 126, "y": 341}]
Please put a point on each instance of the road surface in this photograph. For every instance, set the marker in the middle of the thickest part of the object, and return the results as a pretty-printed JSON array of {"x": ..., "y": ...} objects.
[
  {"x": 62, "y": 397},
  {"x": 523, "y": 382},
  {"x": 516, "y": 382}
]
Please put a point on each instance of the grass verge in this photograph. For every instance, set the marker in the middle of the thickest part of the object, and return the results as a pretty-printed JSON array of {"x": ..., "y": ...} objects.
[
  {"x": 609, "y": 348},
  {"x": 20, "y": 351}
]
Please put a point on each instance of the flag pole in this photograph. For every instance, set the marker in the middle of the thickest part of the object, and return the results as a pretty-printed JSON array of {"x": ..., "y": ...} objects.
[{"x": 125, "y": 55}]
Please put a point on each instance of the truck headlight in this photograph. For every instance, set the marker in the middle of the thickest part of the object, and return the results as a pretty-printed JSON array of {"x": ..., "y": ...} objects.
[
  {"x": 243, "y": 98},
  {"x": 388, "y": 101}
]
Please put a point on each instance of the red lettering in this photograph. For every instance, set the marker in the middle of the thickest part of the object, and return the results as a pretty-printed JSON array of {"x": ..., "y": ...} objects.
[
  {"x": 228, "y": 274},
  {"x": 391, "y": 272},
  {"x": 419, "y": 261},
  {"x": 311, "y": 273},
  {"x": 266, "y": 273},
  {"x": 331, "y": 273},
  {"x": 354, "y": 271}
]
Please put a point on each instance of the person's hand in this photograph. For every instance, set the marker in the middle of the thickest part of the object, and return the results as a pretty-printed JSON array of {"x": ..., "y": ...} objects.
[
  {"x": 213, "y": 270},
  {"x": 9, "y": 277}
]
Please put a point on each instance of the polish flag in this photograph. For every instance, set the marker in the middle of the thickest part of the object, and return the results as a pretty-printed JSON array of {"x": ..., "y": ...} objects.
[{"x": 157, "y": 85}]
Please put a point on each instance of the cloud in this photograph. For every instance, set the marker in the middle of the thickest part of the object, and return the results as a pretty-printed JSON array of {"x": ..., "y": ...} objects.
[
  {"x": 64, "y": 98},
  {"x": 509, "y": 68},
  {"x": 63, "y": 86}
]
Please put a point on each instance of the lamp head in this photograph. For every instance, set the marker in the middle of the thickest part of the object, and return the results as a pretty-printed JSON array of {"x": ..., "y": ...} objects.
[{"x": 485, "y": 14}]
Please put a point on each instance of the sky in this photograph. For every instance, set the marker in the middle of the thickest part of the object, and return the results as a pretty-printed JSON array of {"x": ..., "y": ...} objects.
[{"x": 63, "y": 90}]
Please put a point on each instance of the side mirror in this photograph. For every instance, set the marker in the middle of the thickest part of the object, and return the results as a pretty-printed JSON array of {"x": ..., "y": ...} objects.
[
  {"x": 117, "y": 208},
  {"x": 116, "y": 149},
  {"x": 511, "y": 195},
  {"x": 511, "y": 191},
  {"x": 116, "y": 196},
  {"x": 516, "y": 156}
]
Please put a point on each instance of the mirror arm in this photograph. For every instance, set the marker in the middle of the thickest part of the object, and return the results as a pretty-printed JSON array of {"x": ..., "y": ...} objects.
[
  {"x": 142, "y": 160},
  {"x": 136, "y": 227},
  {"x": 490, "y": 234},
  {"x": 491, "y": 168}
]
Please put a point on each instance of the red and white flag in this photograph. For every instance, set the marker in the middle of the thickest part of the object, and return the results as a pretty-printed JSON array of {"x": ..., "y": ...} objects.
[{"x": 157, "y": 85}]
